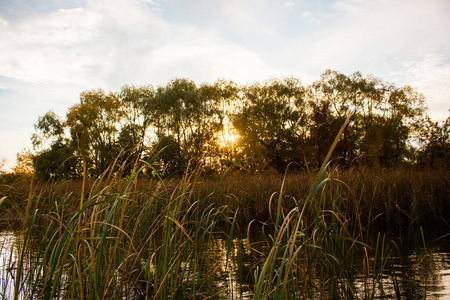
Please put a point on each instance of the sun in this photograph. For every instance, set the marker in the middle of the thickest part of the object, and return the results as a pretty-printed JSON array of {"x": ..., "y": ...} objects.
[{"x": 227, "y": 137}]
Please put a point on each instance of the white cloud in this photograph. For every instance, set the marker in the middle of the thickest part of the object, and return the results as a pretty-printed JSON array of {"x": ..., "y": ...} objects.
[
  {"x": 46, "y": 48},
  {"x": 306, "y": 14},
  {"x": 79, "y": 44},
  {"x": 369, "y": 41},
  {"x": 56, "y": 54},
  {"x": 431, "y": 76},
  {"x": 347, "y": 6},
  {"x": 203, "y": 60},
  {"x": 110, "y": 45}
]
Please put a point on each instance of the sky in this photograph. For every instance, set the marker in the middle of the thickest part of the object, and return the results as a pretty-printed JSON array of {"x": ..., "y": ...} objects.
[{"x": 52, "y": 50}]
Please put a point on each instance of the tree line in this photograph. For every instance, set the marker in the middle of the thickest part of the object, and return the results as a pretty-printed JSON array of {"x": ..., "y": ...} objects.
[{"x": 259, "y": 127}]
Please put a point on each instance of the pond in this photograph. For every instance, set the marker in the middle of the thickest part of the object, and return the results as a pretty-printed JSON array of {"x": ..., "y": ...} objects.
[{"x": 420, "y": 272}]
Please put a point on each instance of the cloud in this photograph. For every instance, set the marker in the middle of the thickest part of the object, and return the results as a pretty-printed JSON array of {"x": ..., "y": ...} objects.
[
  {"x": 49, "y": 57},
  {"x": 203, "y": 60},
  {"x": 346, "y": 7},
  {"x": 46, "y": 48},
  {"x": 430, "y": 75},
  {"x": 52, "y": 50},
  {"x": 378, "y": 35},
  {"x": 109, "y": 45}
]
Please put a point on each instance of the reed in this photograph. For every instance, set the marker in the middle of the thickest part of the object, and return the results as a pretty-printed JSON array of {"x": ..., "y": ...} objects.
[
  {"x": 392, "y": 196},
  {"x": 130, "y": 240},
  {"x": 142, "y": 238},
  {"x": 317, "y": 244},
  {"x": 119, "y": 243}
]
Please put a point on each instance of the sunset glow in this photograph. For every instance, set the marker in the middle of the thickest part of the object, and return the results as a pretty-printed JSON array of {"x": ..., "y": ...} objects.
[
  {"x": 54, "y": 50},
  {"x": 228, "y": 137}
]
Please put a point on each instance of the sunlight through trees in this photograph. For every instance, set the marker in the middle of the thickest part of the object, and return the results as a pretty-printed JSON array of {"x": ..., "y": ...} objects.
[{"x": 257, "y": 128}]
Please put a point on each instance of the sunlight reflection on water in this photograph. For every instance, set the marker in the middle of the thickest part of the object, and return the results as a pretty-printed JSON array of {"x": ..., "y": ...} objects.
[
  {"x": 418, "y": 275},
  {"x": 8, "y": 259}
]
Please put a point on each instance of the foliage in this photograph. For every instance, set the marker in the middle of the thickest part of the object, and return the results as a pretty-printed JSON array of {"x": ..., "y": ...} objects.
[
  {"x": 435, "y": 139},
  {"x": 260, "y": 127},
  {"x": 271, "y": 123},
  {"x": 24, "y": 164},
  {"x": 56, "y": 162},
  {"x": 168, "y": 151},
  {"x": 93, "y": 126}
]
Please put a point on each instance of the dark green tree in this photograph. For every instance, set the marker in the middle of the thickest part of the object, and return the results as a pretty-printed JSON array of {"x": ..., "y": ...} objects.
[
  {"x": 343, "y": 94},
  {"x": 323, "y": 128},
  {"x": 58, "y": 160},
  {"x": 387, "y": 135},
  {"x": 271, "y": 124},
  {"x": 167, "y": 150},
  {"x": 435, "y": 144}
]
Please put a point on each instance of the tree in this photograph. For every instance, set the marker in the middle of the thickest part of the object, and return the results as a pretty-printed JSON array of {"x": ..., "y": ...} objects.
[
  {"x": 187, "y": 114},
  {"x": 343, "y": 94},
  {"x": 49, "y": 129},
  {"x": 137, "y": 105},
  {"x": 382, "y": 126},
  {"x": 435, "y": 144},
  {"x": 323, "y": 128},
  {"x": 93, "y": 125},
  {"x": 225, "y": 102},
  {"x": 271, "y": 123},
  {"x": 57, "y": 161},
  {"x": 387, "y": 136},
  {"x": 260, "y": 127},
  {"x": 24, "y": 164},
  {"x": 167, "y": 151}
]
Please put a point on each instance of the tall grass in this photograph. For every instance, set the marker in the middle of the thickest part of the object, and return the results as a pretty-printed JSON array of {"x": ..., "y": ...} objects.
[
  {"x": 314, "y": 256},
  {"x": 395, "y": 196},
  {"x": 120, "y": 243},
  {"x": 140, "y": 238},
  {"x": 281, "y": 277},
  {"x": 126, "y": 242}
]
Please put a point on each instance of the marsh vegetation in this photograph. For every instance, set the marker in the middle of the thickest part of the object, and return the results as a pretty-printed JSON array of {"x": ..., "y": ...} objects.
[{"x": 157, "y": 194}]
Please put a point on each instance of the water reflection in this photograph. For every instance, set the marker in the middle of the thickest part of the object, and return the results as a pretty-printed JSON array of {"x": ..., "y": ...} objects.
[
  {"x": 418, "y": 276},
  {"x": 9, "y": 245},
  {"x": 237, "y": 260},
  {"x": 411, "y": 272},
  {"x": 229, "y": 266}
]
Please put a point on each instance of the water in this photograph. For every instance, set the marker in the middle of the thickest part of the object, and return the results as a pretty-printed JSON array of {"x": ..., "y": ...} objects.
[
  {"x": 419, "y": 272},
  {"x": 8, "y": 261}
]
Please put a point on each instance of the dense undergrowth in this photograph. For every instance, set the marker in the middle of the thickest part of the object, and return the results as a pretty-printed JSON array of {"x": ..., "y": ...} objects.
[{"x": 391, "y": 195}]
